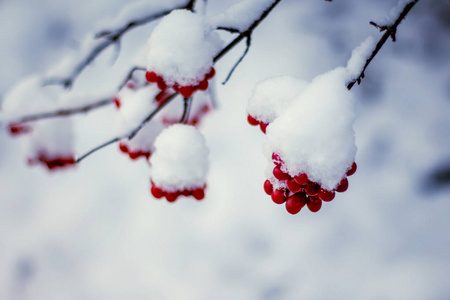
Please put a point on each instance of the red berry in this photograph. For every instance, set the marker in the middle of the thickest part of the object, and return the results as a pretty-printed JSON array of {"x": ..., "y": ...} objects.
[
  {"x": 293, "y": 186},
  {"x": 279, "y": 196},
  {"x": 268, "y": 187},
  {"x": 199, "y": 193},
  {"x": 203, "y": 85},
  {"x": 263, "y": 126},
  {"x": 117, "y": 102},
  {"x": 280, "y": 175},
  {"x": 211, "y": 74},
  {"x": 162, "y": 84},
  {"x": 176, "y": 87},
  {"x": 186, "y": 91},
  {"x": 312, "y": 189},
  {"x": 172, "y": 197},
  {"x": 134, "y": 155},
  {"x": 123, "y": 148},
  {"x": 17, "y": 129},
  {"x": 325, "y": 195},
  {"x": 301, "y": 179},
  {"x": 157, "y": 192},
  {"x": 352, "y": 170},
  {"x": 277, "y": 159},
  {"x": 151, "y": 77},
  {"x": 343, "y": 186},
  {"x": 314, "y": 204},
  {"x": 294, "y": 204},
  {"x": 252, "y": 121}
]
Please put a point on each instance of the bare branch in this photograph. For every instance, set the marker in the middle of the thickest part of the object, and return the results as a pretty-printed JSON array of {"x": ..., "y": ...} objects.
[
  {"x": 130, "y": 76},
  {"x": 248, "y": 43},
  {"x": 390, "y": 31}
]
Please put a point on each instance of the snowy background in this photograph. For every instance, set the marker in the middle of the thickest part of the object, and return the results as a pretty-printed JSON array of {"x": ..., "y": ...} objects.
[{"x": 94, "y": 232}]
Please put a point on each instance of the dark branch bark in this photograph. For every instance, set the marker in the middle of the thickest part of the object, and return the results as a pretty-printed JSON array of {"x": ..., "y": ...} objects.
[{"x": 390, "y": 32}]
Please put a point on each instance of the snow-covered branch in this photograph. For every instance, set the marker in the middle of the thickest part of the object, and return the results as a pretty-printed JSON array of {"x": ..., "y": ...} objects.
[
  {"x": 390, "y": 29},
  {"x": 135, "y": 15}
]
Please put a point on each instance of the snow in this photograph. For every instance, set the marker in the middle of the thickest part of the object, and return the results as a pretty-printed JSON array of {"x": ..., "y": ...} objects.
[
  {"x": 182, "y": 48},
  {"x": 271, "y": 97},
  {"x": 359, "y": 57},
  {"x": 315, "y": 133},
  {"x": 95, "y": 231},
  {"x": 180, "y": 160},
  {"x": 241, "y": 15}
]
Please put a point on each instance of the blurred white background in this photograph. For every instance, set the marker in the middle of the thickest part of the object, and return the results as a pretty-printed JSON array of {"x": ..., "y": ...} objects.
[{"x": 95, "y": 232}]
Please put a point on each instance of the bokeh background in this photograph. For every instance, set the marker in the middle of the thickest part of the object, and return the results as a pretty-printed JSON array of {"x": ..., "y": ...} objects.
[{"x": 95, "y": 232}]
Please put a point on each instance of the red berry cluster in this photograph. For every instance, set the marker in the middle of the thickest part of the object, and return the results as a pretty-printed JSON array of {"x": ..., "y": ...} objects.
[
  {"x": 18, "y": 129},
  {"x": 159, "y": 193},
  {"x": 134, "y": 154},
  {"x": 53, "y": 163},
  {"x": 254, "y": 122},
  {"x": 187, "y": 90},
  {"x": 300, "y": 190}
]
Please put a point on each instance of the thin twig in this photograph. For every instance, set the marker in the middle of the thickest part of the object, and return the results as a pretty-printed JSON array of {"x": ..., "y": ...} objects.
[
  {"x": 131, "y": 134},
  {"x": 130, "y": 76},
  {"x": 63, "y": 112},
  {"x": 245, "y": 34},
  {"x": 248, "y": 44},
  {"x": 390, "y": 32}
]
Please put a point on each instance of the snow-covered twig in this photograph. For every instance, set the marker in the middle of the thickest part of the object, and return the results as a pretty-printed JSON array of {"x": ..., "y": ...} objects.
[
  {"x": 106, "y": 38},
  {"x": 390, "y": 32}
]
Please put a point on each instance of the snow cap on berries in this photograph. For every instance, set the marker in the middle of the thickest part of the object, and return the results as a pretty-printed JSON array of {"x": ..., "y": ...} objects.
[
  {"x": 180, "y": 160},
  {"x": 271, "y": 96},
  {"x": 182, "y": 48},
  {"x": 314, "y": 135}
]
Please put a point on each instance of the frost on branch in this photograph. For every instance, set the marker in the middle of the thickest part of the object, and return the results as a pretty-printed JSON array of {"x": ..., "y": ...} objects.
[
  {"x": 179, "y": 163},
  {"x": 181, "y": 52}
]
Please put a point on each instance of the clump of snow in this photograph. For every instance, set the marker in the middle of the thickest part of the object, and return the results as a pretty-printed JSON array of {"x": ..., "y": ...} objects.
[
  {"x": 390, "y": 18},
  {"x": 180, "y": 160},
  {"x": 271, "y": 97},
  {"x": 315, "y": 133},
  {"x": 359, "y": 57},
  {"x": 182, "y": 48},
  {"x": 241, "y": 15}
]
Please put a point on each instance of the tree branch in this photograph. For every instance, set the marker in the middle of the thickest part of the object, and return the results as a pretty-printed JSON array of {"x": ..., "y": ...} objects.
[
  {"x": 109, "y": 37},
  {"x": 63, "y": 112},
  {"x": 390, "y": 32}
]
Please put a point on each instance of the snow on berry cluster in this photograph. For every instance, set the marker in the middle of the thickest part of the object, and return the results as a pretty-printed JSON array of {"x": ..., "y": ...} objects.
[
  {"x": 179, "y": 163},
  {"x": 50, "y": 142},
  {"x": 270, "y": 98},
  {"x": 310, "y": 142},
  {"x": 181, "y": 52}
]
